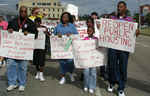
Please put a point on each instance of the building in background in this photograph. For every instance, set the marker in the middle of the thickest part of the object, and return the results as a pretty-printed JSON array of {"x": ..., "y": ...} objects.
[{"x": 52, "y": 8}]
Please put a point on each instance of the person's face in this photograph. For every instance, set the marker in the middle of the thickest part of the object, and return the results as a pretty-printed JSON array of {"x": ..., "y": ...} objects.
[
  {"x": 121, "y": 8},
  {"x": 89, "y": 23},
  {"x": 36, "y": 12},
  {"x": 23, "y": 12},
  {"x": 90, "y": 31},
  {"x": 65, "y": 18},
  {"x": 94, "y": 17}
]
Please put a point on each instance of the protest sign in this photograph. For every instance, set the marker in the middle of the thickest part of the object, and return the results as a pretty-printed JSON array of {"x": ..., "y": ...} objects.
[
  {"x": 58, "y": 46},
  {"x": 16, "y": 45},
  {"x": 118, "y": 34},
  {"x": 40, "y": 41},
  {"x": 88, "y": 55}
]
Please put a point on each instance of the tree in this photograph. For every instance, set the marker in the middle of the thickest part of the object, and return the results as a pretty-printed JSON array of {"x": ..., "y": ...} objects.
[{"x": 147, "y": 19}]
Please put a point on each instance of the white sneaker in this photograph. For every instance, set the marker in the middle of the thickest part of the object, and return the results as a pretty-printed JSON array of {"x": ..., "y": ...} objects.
[
  {"x": 110, "y": 88},
  {"x": 121, "y": 93},
  {"x": 21, "y": 88},
  {"x": 11, "y": 87},
  {"x": 72, "y": 77},
  {"x": 37, "y": 75},
  {"x": 41, "y": 77},
  {"x": 91, "y": 91},
  {"x": 85, "y": 89},
  {"x": 62, "y": 81}
]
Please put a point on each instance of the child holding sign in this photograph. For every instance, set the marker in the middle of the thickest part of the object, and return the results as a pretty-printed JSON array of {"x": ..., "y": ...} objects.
[{"x": 90, "y": 73}]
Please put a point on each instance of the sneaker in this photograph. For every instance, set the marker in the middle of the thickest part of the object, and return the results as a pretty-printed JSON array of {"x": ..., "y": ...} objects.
[
  {"x": 41, "y": 77},
  {"x": 91, "y": 91},
  {"x": 72, "y": 77},
  {"x": 37, "y": 75},
  {"x": 21, "y": 88},
  {"x": 121, "y": 93},
  {"x": 110, "y": 88},
  {"x": 62, "y": 81},
  {"x": 85, "y": 89},
  {"x": 11, "y": 87}
]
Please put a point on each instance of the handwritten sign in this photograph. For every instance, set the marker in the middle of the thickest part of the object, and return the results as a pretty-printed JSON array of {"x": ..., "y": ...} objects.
[
  {"x": 16, "y": 45},
  {"x": 58, "y": 48},
  {"x": 87, "y": 55},
  {"x": 40, "y": 41},
  {"x": 117, "y": 34},
  {"x": 50, "y": 24}
]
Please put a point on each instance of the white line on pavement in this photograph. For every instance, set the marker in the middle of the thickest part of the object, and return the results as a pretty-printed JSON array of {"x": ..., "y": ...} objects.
[{"x": 144, "y": 45}]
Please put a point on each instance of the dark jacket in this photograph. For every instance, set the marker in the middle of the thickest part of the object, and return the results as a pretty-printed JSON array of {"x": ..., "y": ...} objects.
[{"x": 28, "y": 26}]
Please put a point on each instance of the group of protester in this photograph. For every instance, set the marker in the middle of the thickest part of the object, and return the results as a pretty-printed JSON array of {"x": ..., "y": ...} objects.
[{"x": 116, "y": 68}]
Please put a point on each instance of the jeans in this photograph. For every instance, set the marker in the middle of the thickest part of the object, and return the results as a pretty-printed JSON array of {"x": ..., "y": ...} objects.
[
  {"x": 90, "y": 78},
  {"x": 66, "y": 65},
  {"x": 16, "y": 71},
  {"x": 117, "y": 67}
]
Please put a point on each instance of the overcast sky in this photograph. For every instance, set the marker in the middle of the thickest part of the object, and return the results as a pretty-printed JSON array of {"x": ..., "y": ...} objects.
[{"x": 87, "y": 6}]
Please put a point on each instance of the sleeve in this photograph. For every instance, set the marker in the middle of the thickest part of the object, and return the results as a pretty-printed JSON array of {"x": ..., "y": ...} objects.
[
  {"x": 5, "y": 26},
  {"x": 74, "y": 30}
]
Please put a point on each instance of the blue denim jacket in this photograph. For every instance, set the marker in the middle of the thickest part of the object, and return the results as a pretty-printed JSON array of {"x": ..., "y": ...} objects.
[{"x": 65, "y": 29}]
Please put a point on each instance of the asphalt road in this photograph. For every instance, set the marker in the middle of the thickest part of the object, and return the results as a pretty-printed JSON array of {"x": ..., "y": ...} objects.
[{"x": 138, "y": 78}]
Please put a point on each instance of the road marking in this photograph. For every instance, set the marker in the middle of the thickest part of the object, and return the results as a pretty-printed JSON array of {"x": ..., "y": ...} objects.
[{"x": 144, "y": 45}]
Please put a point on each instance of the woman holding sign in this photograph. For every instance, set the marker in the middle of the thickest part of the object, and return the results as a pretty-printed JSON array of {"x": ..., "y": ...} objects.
[
  {"x": 118, "y": 60},
  {"x": 65, "y": 28}
]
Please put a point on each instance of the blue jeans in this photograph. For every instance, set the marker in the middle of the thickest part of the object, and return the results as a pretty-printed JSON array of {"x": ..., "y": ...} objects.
[
  {"x": 90, "y": 78},
  {"x": 16, "y": 71},
  {"x": 66, "y": 65},
  {"x": 117, "y": 67}
]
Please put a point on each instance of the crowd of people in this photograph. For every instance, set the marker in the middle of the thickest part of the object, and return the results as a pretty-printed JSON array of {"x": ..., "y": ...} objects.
[{"x": 115, "y": 71}]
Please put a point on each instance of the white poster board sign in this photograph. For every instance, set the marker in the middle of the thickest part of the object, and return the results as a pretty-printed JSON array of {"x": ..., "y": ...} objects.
[
  {"x": 16, "y": 45},
  {"x": 40, "y": 41},
  {"x": 87, "y": 55},
  {"x": 118, "y": 34},
  {"x": 58, "y": 48}
]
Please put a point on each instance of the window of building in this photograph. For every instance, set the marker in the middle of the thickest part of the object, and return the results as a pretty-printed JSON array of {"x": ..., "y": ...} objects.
[
  {"x": 48, "y": 3},
  {"x": 53, "y": 9},
  {"x": 43, "y": 4},
  {"x": 55, "y": 4},
  {"x": 33, "y": 3},
  {"x": 54, "y": 15},
  {"x": 58, "y": 10},
  {"x": 49, "y": 9},
  {"x": 43, "y": 9}
]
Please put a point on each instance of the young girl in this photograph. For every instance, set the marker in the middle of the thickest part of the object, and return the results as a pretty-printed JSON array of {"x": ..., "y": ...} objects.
[{"x": 90, "y": 73}]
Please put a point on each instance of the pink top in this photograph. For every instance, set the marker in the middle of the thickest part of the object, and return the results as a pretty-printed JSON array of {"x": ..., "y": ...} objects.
[
  {"x": 88, "y": 38},
  {"x": 4, "y": 25}
]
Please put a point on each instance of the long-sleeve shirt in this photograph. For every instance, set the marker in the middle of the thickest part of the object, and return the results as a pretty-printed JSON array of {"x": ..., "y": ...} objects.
[
  {"x": 61, "y": 29},
  {"x": 28, "y": 26}
]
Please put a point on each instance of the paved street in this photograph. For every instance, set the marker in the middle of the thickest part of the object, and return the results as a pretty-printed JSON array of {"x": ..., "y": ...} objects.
[{"x": 138, "y": 78}]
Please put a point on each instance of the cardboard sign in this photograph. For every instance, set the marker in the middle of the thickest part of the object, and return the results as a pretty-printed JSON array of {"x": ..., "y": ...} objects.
[
  {"x": 87, "y": 55},
  {"x": 16, "y": 45},
  {"x": 58, "y": 46},
  {"x": 40, "y": 41},
  {"x": 118, "y": 34}
]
